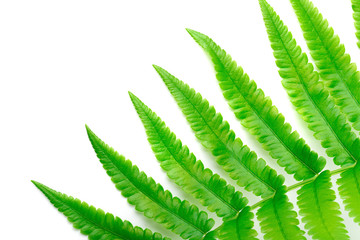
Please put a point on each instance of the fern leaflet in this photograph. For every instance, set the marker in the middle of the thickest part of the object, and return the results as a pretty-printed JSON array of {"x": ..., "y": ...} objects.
[
  {"x": 259, "y": 116},
  {"x": 149, "y": 197},
  {"x": 308, "y": 95},
  {"x": 215, "y": 135},
  {"x": 93, "y": 222},
  {"x": 239, "y": 228},
  {"x": 356, "y": 16},
  {"x": 341, "y": 76},
  {"x": 321, "y": 214},
  {"x": 349, "y": 190},
  {"x": 182, "y": 167},
  {"x": 278, "y": 220},
  {"x": 313, "y": 102}
]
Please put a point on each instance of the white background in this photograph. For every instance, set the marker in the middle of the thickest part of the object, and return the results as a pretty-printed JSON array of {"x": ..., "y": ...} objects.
[{"x": 70, "y": 62}]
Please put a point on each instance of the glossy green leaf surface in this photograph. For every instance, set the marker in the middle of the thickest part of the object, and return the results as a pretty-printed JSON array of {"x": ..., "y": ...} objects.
[
  {"x": 278, "y": 220},
  {"x": 149, "y": 197},
  {"x": 340, "y": 75},
  {"x": 259, "y": 116},
  {"x": 349, "y": 190},
  {"x": 239, "y": 228},
  {"x": 356, "y": 16},
  {"x": 328, "y": 101},
  {"x": 93, "y": 222},
  {"x": 186, "y": 171},
  {"x": 307, "y": 93},
  {"x": 215, "y": 135},
  {"x": 319, "y": 210}
]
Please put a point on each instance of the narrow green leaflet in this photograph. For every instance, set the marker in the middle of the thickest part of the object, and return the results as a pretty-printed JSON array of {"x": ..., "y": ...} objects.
[
  {"x": 341, "y": 76},
  {"x": 182, "y": 167},
  {"x": 95, "y": 223},
  {"x": 311, "y": 100},
  {"x": 215, "y": 135},
  {"x": 349, "y": 190},
  {"x": 319, "y": 210},
  {"x": 278, "y": 220},
  {"x": 150, "y": 198},
  {"x": 259, "y": 116},
  {"x": 240, "y": 228},
  {"x": 356, "y": 16}
]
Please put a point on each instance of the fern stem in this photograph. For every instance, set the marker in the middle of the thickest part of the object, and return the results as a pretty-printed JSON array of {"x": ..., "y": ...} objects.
[
  {"x": 340, "y": 170},
  {"x": 258, "y": 204},
  {"x": 299, "y": 184},
  {"x": 302, "y": 183}
]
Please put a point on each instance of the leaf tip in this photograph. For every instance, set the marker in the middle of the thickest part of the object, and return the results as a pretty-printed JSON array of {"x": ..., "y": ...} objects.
[
  {"x": 158, "y": 69},
  {"x": 38, "y": 185},
  {"x": 195, "y": 34},
  {"x": 88, "y": 130},
  {"x": 134, "y": 99},
  {"x": 35, "y": 182}
]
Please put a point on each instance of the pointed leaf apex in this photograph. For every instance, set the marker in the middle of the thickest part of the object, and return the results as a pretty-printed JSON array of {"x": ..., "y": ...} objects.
[
  {"x": 131, "y": 95},
  {"x": 163, "y": 73},
  {"x": 195, "y": 34},
  {"x": 91, "y": 135},
  {"x": 41, "y": 187},
  {"x": 88, "y": 130},
  {"x": 134, "y": 99},
  {"x": 35, "y": 183},
  {"x": 159, "y": 69},
  {"x": 156, "y": 66}
]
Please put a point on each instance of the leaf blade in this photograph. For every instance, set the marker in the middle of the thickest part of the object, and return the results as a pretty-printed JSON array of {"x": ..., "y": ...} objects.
[
  {"x": 150, "y": 198},
  {"x": 349, "y": 190},
  {"x": 183, "y": 167},
  {"x": 319, "y": 210},
  {"x": 94, "y": 222},
  {"x": 356, "y": 15},
  {"x": 259, "y": 116},
  {"x": 278, "y": 220},
  {"x": 216, "y": 136},
  {"x": 240, "y": 228},
  {"x": 341, "y": 77},
  {"x": 307, "y": 93}
]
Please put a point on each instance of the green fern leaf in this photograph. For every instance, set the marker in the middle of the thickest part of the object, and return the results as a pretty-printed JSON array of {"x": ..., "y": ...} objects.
[
  {"x": 341, "y": 76},
  {"x": 278, "y": 220},
  {"x": 356, "y": 16},
  {"x": 210, "y": 236},
  {"x": 308, "y": 94},
  {"x": 240, "y": 228},
  {"x": 182, "y": 167},
  {"x": 149, "y": 197},
  {"x": 93, "y": 222},
  {"x": 321, "y": 214},
  {"x": 313, "y": 102},
  {"x": 215, "y": 135},
  {"x": 349, "y": 190},
  {"x": 259, "y": 116}
]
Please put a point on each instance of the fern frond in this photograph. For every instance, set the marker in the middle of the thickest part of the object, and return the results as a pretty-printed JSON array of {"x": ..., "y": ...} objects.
[
  {"x": 240, "y": 228},
  {"x": 95, "y": 223},
  {"x": 215, "y": 135},
  {"x": 356, "y": 15},
  {"x": 210, "y": 236},
  {"x": 311, "y": 100},
  {"x": 278, "y": 220},
  {"x": 182, "y": 166},
  {"x": 259, "y": 116},
  {"x": 349, "y": 190},
  {"x": 150, "y": 198},
  {"x": 341, "y": 76},
  {"x": 319, "y": 210}
]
